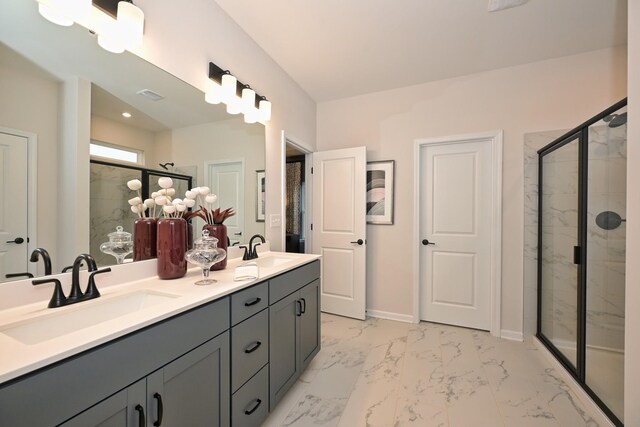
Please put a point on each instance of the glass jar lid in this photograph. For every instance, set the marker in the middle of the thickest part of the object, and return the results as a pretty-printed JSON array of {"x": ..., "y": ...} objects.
[
  {"x": 206, "y": 241},
  {"x": 119, "y": 235}
]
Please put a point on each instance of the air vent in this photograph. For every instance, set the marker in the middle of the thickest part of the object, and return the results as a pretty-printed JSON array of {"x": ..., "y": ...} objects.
[
  {"x": 148, "y": 93},
  {"x": 496, "y": 5}
]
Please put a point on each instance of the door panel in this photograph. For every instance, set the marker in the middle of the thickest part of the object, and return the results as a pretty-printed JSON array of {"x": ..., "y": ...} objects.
[
  {"x": 13, "y": 210},
  {"x": 339, "y": 222},
  {"x": 310, "y": 322},
  {"x": 284, "y": 334},
  {"x": 226, "y": 180},
  {"x": 455, "y": 219}
]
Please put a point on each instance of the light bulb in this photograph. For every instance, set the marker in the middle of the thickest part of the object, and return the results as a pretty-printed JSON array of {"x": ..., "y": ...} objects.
[
  {"x": 248, "y": 99},
  {"x": 229, "y": 83},
  {"x": 53, "y": 11},
  {"x": 264, "y": 111},
  {"x": 234, "y": 105},
  {"x": 130, "y": 24},
  {"x": 251, "y": 116},
  {"x": 213, "y": 95}
]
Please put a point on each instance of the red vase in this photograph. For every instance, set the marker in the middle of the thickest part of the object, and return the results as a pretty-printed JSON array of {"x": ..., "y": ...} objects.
[
  {"x": 219, "y": 231},
  {"x": 171, "y": 247},
  {"x": 144, "y": 238}
]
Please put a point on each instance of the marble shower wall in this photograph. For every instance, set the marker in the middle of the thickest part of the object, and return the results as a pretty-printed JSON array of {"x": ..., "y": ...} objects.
[{"x": 605, "y": 283}]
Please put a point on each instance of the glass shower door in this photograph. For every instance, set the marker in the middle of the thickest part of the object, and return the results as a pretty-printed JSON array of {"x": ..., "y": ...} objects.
[
  {"x": 558, "y": 238},
  {"x": 606, "y": 239}
]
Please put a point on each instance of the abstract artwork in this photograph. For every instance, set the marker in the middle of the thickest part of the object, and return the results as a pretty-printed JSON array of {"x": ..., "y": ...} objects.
[
  {"x": 380, "y": 192},
  {"x": 260, "y": 196}
]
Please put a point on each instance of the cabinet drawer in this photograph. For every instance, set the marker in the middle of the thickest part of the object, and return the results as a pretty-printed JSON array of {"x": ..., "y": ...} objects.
[
  {"x": 285, "y": 284},
  {"x": 250, "y": 404},
  {"x": 248, "y": 302},
  {"x": 249, "y": 348}
]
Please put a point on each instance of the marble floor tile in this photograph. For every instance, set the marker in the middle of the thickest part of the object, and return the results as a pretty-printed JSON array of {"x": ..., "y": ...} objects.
[{"x": 384, "y": 373}]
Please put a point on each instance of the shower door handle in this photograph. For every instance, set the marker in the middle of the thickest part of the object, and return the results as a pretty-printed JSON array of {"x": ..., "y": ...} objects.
[{"x": 577, "y": 254}]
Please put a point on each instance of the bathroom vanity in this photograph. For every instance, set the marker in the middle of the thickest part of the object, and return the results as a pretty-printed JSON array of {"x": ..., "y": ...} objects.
[{"x": 216, "y": 355}]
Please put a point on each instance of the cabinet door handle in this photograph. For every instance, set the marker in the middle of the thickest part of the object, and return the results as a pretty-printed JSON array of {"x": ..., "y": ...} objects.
[
  {"x": 158, "y": 397},
  {"x": 255, "y": 406},
  {"x": 304, "y": 306},
  {"x": 142, "y": 422},
  {"x": 252, "y": 301},
  {"x": 253, "y": 347},
  {"x": 298, "y": 308}
]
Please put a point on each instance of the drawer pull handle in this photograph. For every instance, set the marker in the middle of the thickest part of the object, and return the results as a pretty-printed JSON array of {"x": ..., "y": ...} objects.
[
  {"x": 253, "y": 347},
  {"x": 158, "y": 397},
  {"x": 304, "y": 306},
  {"x": 253, "y": 301},
  {"x": 142, "y": 422},
  {"x": 255, "y": 406},
  {"x": 298, "y": 308}
]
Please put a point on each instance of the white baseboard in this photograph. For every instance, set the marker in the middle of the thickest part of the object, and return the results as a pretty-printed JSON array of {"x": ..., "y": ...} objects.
[
  {"x": 602, "y": 419},
  {"x": 511, "y": 335},
  {"x": 407, "y": 318}
]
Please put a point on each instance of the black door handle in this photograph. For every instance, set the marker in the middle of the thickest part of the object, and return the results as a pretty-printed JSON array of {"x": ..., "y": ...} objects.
[
  {"x": 298, "y": 308},
  {"x": 304, "y": 306},
  {"x": 359, "y": 241},
  {"x": 253, "y": 347},
  {"x": 255, "y": 406},
  {"x": 142, "y": 421},
  {"x": 426, "y": 242},
  {"x": 17, "y": 240},
  {"x": 252, "y": 301},
  {"x": 158, "y": 397}
]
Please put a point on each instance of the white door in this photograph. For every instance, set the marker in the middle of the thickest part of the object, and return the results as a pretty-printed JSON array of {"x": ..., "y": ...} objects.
[
  {"x": 456, "y": 199},
  {"x": 226, "y": 180},
  {"x": 13, "y": 205},
  {"x": 339, "y": 228}
]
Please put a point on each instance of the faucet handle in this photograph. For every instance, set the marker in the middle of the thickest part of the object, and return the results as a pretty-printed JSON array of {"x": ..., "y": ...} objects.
[
  {"x": 57, "y": 299},
  {"x": 92, "y": 290},
  {"x": 245, "y": 257}
]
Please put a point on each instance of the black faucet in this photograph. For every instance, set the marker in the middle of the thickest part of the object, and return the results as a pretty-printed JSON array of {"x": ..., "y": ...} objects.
[
  {"x": 76, "y": 293},
  {"x": 35, "y": 256},
  {"x": 253, "y": 252},
  {"x": 58, "y": 299}
]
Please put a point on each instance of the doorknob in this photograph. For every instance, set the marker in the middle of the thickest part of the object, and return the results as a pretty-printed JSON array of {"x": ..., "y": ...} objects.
[
  {"x": 359, "y": 241},
  {"x": 239, "y": 233},
  {"x": 426, "y": 242},
  {"x": 17, "y": 240}
]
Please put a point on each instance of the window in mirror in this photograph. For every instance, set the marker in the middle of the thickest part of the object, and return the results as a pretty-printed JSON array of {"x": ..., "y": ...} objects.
[{"x": 111, "y": 152}]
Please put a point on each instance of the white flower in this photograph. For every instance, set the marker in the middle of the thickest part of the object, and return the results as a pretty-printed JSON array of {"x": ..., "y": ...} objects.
[
  {"x": 135, "y": 209},
  {"x": 149, "y": 203},
  {"x": 189, "y": 203},
  {"x": 134, "y": 184},
  {"x": 211, "y": 198},
  {"x": 161, "y": 200},
  {"x": 171, "y": 191},
  {"x": 176, "y": 202},
  {"x": 162, "y": 192},
  {"x": 154, "y": 194},
  {"x": 181, "y": 207},
  {"x": 191, "y": 194},
  {"x": 170, "y": 209},
  {"x": 204, "y": 191},
  {"x": 165, "y": 182},
  {"x": 135, "y": 201}
]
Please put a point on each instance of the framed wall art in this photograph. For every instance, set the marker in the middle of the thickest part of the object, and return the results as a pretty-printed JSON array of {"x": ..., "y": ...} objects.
[
  {"x": 260, "y": 196},
  {"x": 380, "y": 182}
]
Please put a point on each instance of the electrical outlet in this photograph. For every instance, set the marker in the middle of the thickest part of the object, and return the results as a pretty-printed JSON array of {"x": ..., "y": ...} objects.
[{"x": 275, "y": 220}]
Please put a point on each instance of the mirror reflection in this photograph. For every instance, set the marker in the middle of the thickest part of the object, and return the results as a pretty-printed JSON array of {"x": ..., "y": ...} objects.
[{"x": 61, "y": 93}]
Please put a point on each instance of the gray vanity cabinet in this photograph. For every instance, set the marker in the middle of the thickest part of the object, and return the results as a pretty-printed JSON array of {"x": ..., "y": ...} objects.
[
  {"x": 192, "y": 390},
  {"x": 124, "y": 408},
  {"x": 294, "y": 328}
]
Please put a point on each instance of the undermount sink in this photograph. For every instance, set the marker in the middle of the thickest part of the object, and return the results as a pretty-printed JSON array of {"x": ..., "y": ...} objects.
[
  {"x": 272, "y": 261},
  {"x": 56, "y": 324}
]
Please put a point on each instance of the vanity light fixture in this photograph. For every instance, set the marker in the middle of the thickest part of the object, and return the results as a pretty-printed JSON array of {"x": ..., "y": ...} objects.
[
  {"x": 116, "y": 33},
  {"x": 126, "y": 114},
  {"x": 239, "y": 97}
]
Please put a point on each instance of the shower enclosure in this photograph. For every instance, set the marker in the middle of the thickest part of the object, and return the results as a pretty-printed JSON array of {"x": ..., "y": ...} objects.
[{"x": 581, "y": 254}]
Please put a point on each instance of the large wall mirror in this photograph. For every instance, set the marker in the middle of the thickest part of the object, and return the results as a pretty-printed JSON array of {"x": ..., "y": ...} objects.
[{"x": 61, "y": 92}]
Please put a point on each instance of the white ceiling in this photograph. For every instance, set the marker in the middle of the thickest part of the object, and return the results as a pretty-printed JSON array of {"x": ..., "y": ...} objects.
[{"x": 340, "y": 48}]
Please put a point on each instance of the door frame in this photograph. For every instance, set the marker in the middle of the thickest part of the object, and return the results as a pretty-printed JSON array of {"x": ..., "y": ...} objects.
[
  {"x": 308, "y": 163},
  {"x": 496, "y": 219},
  {"x": 32, "y": 189}
]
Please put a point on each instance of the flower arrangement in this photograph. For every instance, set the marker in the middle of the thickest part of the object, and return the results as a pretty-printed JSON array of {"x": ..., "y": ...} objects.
[
  {"x": 205, "y": 197},
  {"x": 175, "y": 207}
]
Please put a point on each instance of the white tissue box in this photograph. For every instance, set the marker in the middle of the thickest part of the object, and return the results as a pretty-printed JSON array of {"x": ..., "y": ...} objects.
[{"x": 246, "y": 271}]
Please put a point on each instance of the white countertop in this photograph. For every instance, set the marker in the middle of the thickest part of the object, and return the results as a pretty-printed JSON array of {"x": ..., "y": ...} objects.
[{"x": 18, "y": 358}]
